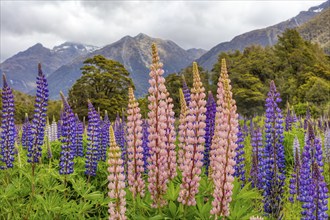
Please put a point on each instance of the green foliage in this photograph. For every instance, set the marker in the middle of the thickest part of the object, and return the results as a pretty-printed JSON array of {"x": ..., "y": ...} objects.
[
  {"x": 25, "y": 104},
  {"x": 105, "y": 82}
]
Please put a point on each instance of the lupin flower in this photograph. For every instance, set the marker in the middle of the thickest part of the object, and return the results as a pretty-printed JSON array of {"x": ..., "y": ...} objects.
[
  {"x": 274, "y": 162},
  {"x": 186, "y": 91},
  {"x": 211, "y": 108},
  {"x": 170, "y": 138},
  {"x": 327, "y": 145},
  {"x": 39, "y": 119},
  {"x": 157, "y": 177},
  {"x": 223, "y": 146},
  {"x": 105, "y": 136},
  {"x": 239, "y": 158},
  {"x": 307, "y": 118},
  {"x": 68, "y": 139},
  {"x": 7, "y": 142},
  {"x": 313, "y": 189},
  {"x": 119, "y": 129},
  {"x": 79, "y": 137},
  {"x": 93, "y": 141},
  {"x": 145, "y": 144},
  {"x": 116, "y": 180},
  {"x": 26, "y": 132},
  {"x": 194, "y": 146},
  {"x": 257, "y": 172},
  {"x": 288, "y": 120},
  {"x": 294, "y": 180},
  {"x": 47, "y": 139},
  {"x": 134, "y": 147},
  {"x": 53, "y": 131},
  {"x": 256, "y": 218},
  {"x": 182, "y": 130}
]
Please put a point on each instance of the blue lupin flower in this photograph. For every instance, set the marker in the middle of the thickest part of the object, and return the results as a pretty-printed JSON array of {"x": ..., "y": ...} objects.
[
  {"x": 313, "y": 189},
  {"x": 239, "y": 158},
  {"x": 79, "y": 137},
  {"x": 288, "y": 120},
  {"x": 294, "y": 180},
  {"x": 39, "y": 119},
  {"x": 256, "y": 173},
  {"x": 68, "y": 139},
  {"x": 186, "y": 91},
  {"x": 274, "y": 161},
  {"x": 93, "y": 144},
  {"x": 105, "y": 136},
  {"x": 7, "y": 142},
  {"x": 145, "y": 147},
  {"x": 209, "y": 129},
  {"x": 26, "y": 132}
]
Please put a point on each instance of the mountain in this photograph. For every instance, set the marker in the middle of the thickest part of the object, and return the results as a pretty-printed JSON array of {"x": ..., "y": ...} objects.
[
  {"x": 264, "y": 37},
  {"x": 135, "y": 54},
  {"x": 21, "y": 69},
  {"x": 317, "y": 30}
]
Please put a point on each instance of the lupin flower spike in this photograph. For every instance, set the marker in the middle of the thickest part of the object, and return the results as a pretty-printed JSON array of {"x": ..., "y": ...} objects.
[
  {"x": 157, "y": 177},
  {"x": 134, "y": 147},
  {"x": 39, "y": 119},
  {"x": 182, "y": 130},
  {"x": 26, "y": 132},
  {"x": 7, "y": 142},
  {"x": 116, "y": 180},
  {"x": 186, "y": 91},
  {"x": 105, "y": 136},
  {"x": 194, "y": 146},
  {"x": 93, "y": 141},
  {"x": 79, "y": 137},
  {"x": 223, "y": 146},
  {"x": 68, "y": 139}
]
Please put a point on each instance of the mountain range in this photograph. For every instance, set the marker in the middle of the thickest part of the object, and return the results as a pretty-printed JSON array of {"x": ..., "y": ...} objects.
[{"x": 62, "y": 63}]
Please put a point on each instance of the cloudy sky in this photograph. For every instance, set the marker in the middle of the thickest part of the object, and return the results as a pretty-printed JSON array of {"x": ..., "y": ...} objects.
[{"x": 199, "y": 24}]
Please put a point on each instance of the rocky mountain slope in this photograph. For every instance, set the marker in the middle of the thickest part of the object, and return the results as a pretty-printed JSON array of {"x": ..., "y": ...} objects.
[
  {"x": 135, "y": 54},
  {"x": 264, "y": 37},
  {"x": 21, "y": 69}
]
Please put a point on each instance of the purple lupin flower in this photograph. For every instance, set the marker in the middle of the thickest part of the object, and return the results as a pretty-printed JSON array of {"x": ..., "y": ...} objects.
[
  {"x": 294, "y": 180},
  {"x": 186, "y": 91},
  {"x": 26, "y": 132},
  {"x": 145, "y": 147},
  {"x": 288, "y": 120},
  {"x": 79, "y": 137},
  {"x": 39, "y": 119},
  {"x": 68, "y": 139},
  {"x": 256, "y": 173},
  {"x": 274, "y": 161},
  {"x": 307, "y": 118},
  {"x": 53, "y": 131},
  {"x": 313, "y": 189},
  {"x": 211, "y": 106},
  {"x": 239, "y": 158},
  {"x": 7, "y": 142},
  {"x": 93, "y": 141},
  {"x": 105, "y": 141}
]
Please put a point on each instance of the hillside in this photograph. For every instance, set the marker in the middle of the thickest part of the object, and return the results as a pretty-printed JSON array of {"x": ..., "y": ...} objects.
[
  {"x": 317, "y": 30},
  {"x": 264, "y": 37},
  {"x": 134, "y": 53}
]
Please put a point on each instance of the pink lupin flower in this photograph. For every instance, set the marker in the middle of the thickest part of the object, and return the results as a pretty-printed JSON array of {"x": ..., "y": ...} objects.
[
  {"x": 182, "y": 129},
  {"x": 134, "y": 146},
  {"x": 170, "y": 138},
  {"x": 116, "y": 180},
  {"x": 158, "y": 174},
  {"x": 194, "y": 143},
  {"x": 223, "y": 146}
]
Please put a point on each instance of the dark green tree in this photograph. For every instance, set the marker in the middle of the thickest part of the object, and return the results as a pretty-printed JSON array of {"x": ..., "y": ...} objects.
[{"x": 104, "y": 82}]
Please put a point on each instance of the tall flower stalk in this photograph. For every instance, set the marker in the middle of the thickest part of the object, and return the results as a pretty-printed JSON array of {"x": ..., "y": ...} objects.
[
  {"x": 313, "y": 189},
  {"x": 39, "y": 120},
  {"x": 274, "y": 162},
  {"x": 116, "y": 180},
  {"x": 294, "y": 180},
  {"x": 26, "y": 132},
  {"x": 134, "y": 147},
  {"x": 170, "y": 138},
  {"x": 194, "y": 146},
  {"x": 182, "y": 130},
  {"x": 7, "y": 142},
  {"x": 105, "y": 136},
  {"x": 240, "y": 157},
  {"x": 257, "y": 173},
  {"x": 79, "y": 137},
  {"x": 93, "y": 141},
  {"x": 186, "y": 91},
  {"x": 211, "y": 108},
  {"x": 157, "y": 177},
  {"x": 223, "y": 146},
  {"x": 68, "y": 139}
]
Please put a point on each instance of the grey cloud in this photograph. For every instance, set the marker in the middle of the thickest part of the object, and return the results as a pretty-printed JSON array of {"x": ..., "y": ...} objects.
[{"x": 197, "y": 24}]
